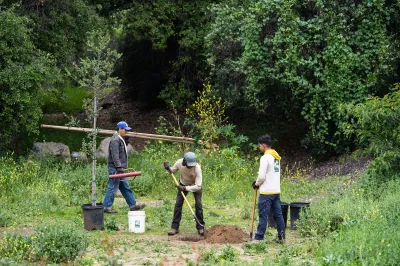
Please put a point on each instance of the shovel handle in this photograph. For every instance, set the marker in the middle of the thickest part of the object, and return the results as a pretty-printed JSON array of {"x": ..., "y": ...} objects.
[{"x": 253, "y": 212}]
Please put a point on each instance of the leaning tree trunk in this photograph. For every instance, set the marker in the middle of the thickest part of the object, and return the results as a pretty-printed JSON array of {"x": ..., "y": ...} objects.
[{"x": 94, "y": 152}]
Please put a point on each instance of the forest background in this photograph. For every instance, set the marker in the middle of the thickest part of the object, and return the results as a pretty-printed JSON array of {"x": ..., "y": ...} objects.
[{"x": 321, "y": 77}]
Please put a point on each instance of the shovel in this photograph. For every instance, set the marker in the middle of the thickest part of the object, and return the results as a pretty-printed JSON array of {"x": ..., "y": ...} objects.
[
  {"x": 253, "y": 212},
  {"x": 190, "y": 207}
]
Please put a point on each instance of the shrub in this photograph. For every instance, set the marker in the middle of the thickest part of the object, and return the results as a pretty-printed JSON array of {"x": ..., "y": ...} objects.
[
  {"x": 110, "y": 223},
  {"x": 209, "y": 256},
  {"x": 229, "y": 253},
  {"x": 84, "y": 261},
  {"x": 24, "y": 70},
  {"x": 376, "y": 125},
  {"x": 59, "y": 242},
  {"x": 360, "y": 225},
  {"x": 5, "y": 219},
  {"x": 15, "y": 246},
  {"x": 299, "y": 57},
  {"x": 284, "y": 257},
  {"x": 256, "y": 248},
  {"x": 209, "y": 122}
]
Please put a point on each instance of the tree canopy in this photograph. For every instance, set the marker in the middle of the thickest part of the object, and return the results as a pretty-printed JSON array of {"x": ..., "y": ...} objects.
[
  {"x": 289, "y": 63},
  {"x": 24, "y": 72}
]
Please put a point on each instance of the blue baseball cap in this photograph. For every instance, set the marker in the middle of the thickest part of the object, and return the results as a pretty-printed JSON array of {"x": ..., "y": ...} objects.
[{"x": 123, "y": 125}]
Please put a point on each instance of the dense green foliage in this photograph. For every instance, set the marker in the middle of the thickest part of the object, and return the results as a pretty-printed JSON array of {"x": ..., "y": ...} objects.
[
  {"x": 61, "y": 27},
  {"x": 376, "y": 123},
  {"x": 362, "y": 223},
  {"x": 292, "y": 61},
  {"x": 69, "y": 101},
  {"x": 24, "y": 70},
  {"x": 301, "y": 56},
  {"x": 171, "y": 34},
  {"x": 313, "y": 70},
  {"x": 45, "y": 244},
  {"x": 352, "y": 221}
]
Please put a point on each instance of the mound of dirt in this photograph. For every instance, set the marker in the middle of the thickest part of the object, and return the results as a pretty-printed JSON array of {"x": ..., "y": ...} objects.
[{"x": 221, "y": 233}]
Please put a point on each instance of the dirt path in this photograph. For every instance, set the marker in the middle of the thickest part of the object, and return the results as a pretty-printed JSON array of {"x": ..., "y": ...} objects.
[{"x": 190, "y": 248}]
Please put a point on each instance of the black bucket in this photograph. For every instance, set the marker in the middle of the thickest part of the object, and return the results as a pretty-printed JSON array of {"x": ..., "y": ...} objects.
[
  {"x": 271, "y": 218},
  {"x": 93, "y": 216},
  {"x": 295, "y": 209}
]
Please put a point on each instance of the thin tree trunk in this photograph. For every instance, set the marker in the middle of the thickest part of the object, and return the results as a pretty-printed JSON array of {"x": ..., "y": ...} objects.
[{"x": 94, "y": 153}]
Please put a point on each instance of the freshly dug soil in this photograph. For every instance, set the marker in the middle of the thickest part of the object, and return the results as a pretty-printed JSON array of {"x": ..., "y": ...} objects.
[
  {"x": 221, "y": 233},
  {"x": 190, "y": 238}
]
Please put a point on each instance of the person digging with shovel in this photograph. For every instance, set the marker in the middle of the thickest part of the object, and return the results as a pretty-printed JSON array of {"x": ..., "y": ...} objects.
[
  {"x": 118, "y": 161},
  {"x": 268, "y": 182},
  {"x": 190, "y": 181}
]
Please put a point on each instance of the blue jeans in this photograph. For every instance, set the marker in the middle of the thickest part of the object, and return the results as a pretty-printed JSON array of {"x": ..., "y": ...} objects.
[
  {"x": 113, "y": 185},
  {"x": 265, "y": 203}
]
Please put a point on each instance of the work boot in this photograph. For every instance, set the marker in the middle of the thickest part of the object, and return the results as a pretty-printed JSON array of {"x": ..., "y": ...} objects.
[
  {"x": 138, "y": 207},
  {"x": 201, "y": 232},
  {"x": 110, "y": 211},
  {"x": 173, "y": 232},
  {"x": 281, "y": 238}
]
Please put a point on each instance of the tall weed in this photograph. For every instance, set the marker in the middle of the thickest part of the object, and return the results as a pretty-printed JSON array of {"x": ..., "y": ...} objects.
[
  {"x": 360, "y": 226},
  {"x": 59, "y": 242}
]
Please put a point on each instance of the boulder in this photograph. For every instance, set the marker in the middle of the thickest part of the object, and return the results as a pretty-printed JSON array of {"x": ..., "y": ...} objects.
[
  {"x": 79, "y": 156},
  {"x": 102, "y": 150},
  {"x": 43, "y": 149}
]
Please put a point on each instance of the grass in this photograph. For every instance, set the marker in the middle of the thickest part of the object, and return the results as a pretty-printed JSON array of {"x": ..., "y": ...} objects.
[
  {"x": 345, "y": 222},
  {"x": 69, "y": 100}
]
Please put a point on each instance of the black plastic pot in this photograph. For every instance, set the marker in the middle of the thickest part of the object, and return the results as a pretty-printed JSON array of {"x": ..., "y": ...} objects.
[
  {"x": 93, "y": 216},
  {"x": 295, "y": 209},
  {"x": 271, "y": 218}
]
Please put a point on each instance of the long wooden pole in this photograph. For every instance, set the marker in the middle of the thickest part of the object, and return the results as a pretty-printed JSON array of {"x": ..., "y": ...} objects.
[{"x": 130, "y": 134}]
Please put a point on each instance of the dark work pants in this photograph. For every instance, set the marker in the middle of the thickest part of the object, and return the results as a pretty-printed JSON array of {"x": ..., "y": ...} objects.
[
  {"x": 266, "y": 203},
  {"x": 178, "y": 209}
]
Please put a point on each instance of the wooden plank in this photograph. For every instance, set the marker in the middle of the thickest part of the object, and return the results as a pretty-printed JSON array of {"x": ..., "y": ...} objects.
[{"x": 130, "y": 134}]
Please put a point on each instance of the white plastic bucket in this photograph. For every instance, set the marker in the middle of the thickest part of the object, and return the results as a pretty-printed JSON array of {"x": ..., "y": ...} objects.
[{"x": 136, "y": 220}]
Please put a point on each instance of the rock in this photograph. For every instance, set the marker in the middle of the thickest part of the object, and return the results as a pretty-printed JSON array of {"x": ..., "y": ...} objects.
[
  {"x": 79, "y": 156},
  {"x": 131, "y": 150},
  {"x": 102, "y": 150},
  {"x": 43, "y": 149}
]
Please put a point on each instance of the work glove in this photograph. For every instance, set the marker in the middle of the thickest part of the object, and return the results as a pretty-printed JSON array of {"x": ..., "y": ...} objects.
[
  {"x": 181, "y": 188},
  {"x": 120, "y": 170},
  {"x": 167, "y": 167},
  {"x": 254, "y": 185}
]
